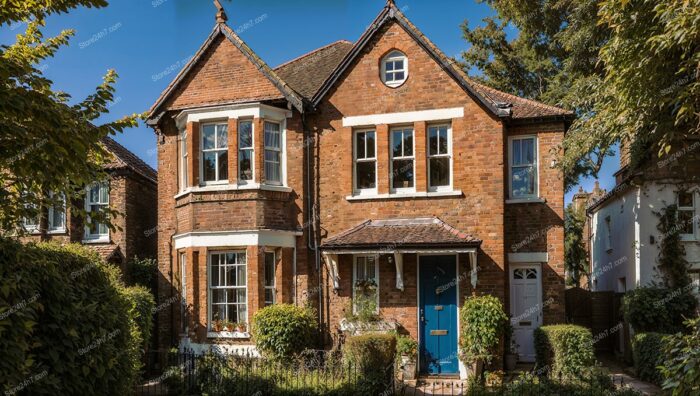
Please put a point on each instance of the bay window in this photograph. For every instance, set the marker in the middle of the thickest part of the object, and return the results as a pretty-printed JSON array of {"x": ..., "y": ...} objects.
[
  {"x": 273, "y": 153},
  {"x": 439, "y": 158},
  {"x": 96, "y": 201},
  {"x": 214, "y": 161},
  {"x": 227, "y": 289},
  {"x": 246, "y": 151},
  {"x": 269, "y": 278},
  {"x": 523, "y": 167},
  {"x": 365, "y": 167},
  {"x": 402, "y": 160}
]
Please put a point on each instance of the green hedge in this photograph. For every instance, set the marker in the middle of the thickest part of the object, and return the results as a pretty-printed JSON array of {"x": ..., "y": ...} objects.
[
  {"x": 284, "y": 330},
  {"x": 564, "y": 350},
  {"x": 483, "y": 321},
  {"x": 65, "y": 323},
  {"x": 373, "y": 355},
  {"x": 142, "y": 307},
  {"x": 680, "y": 365},
  {"x": 646, "y": 352},
  {"x": 655, "y": 309},
  {"x": 143, "y": 271}
]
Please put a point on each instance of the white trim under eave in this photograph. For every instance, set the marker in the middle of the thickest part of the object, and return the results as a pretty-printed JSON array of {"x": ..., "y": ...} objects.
[
  {"x": 538, "y": 257},
  {"x": 277, "y": 238},
  {"x": 255, "y": 110},
  {"x": 403, "y": 251},
  {"x": 402, "y": 118}
]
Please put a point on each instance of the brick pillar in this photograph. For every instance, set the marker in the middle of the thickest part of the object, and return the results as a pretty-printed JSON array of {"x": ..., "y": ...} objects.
[
  {"x": 383, "y": 168},
  {"x": 192, "y": 288},
  {"x": 421, "y": 172},
  {"x": 284, "y": 276},
  {"x": 347, "y": 137},
  {"x": 232, "y": 151},
  {"x": 193, "y": 154},
  {"x": 256, "y": 297},
  {"x": 200, "y": 295},
  {"x": 259, "y": 144}
]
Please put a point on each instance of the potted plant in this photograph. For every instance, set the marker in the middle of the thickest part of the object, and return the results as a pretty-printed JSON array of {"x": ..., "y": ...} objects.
[
  {"x": 217, "y": 325},
  {"x": 407, "y": 352},
  {"x": 241, "y": 327},
  {"x": 482, "y": 322},
  {"x": 511, "y": 357}
]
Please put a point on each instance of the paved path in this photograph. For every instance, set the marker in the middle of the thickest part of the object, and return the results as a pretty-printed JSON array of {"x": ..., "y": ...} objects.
[{"x": 622, "y": 375}]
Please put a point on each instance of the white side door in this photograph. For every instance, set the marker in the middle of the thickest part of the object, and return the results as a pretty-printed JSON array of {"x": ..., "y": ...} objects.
[{"x": 525, "y": 307}]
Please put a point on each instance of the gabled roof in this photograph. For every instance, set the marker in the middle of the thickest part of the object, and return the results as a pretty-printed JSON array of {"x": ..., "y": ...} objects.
[
  {"x": 222, "y": 29},
  {"x": 498, "y": 103},
  {"x": 427, "y": 232},
  {"x": 307, "y": 73},
  {"x": 125, "y": 159}
]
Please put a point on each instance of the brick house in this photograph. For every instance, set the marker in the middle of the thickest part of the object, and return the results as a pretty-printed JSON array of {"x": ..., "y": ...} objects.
[
  {"x": 131, "y": 190},
  {"x": 369, "y": 169}
]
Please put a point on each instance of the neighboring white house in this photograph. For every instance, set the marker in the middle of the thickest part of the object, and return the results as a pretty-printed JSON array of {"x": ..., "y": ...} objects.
[{"x": 624, "y": 238}]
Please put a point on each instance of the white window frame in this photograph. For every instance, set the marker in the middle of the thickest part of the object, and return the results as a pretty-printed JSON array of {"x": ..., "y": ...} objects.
[
  {"x": 210, "y": 313},
  {"x": 184, "y": 154},
  {"x": 448, "y": 155},
  {"x": 402, "y": 157},
  {"x": 535, "y": 165},
  {"x": 355, "y": 160},
  {"x": 52, "y": 210},
  {"x": 215, "y": 150},
  {"x": 95, "y": 237},
  {"x": 183, "y": 290},
  {"x": 694, "y": 216},
  {"x": 280, "y": 150},
  {"x": 32, "y": 225},
  {"x": 393, "y": 56},
  {"x": 354, "y": 276},
  {"x": 241, "y": 149},
  {"x": 271, "y": 287}
]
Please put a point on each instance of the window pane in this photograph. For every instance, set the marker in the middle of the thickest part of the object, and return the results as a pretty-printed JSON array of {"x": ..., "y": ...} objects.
[
  {"x": 94, "y": 195},
  {"x": 269, "y": 296},
  {"x": 240, "y": 258},
  {"x": 516, "y": 153},
  {"x": 272, "y": 166},
  {"x": 398, "y": 65},
  {"x": 241, "y": 277},
  {"x": 223, "y": 165},
  {"x": 523, "y": 180},
  {"x": 432, "y": 141},
  {"x": 370, "y": 144},
  {"x": 230, "y": 275},
  {"x": 360, "y": 145},
  {"x": 232, "y": 314},
  {"x": 245, "y": 134},
  {"x": 528, "y": 151},
  {"x": 245, "y": 167},
  {"x": 222, "y": 136},
  {"x": 403, "y": 173},
  {"x": 209, "y": 166},
  {"x": 57, "y": 220},
  {"x": 208, "y": 135},
  {"x": 366, "y": 174},
  {"x": 685, "y": 199},
  {"x": 397, "y": 141},
  {"x": 408, "y": 143},
  {"x": 389, "y": 76},
  {"x": 214, "y": 270},
  {"x": 685, "y": 221},
  {"x": 360, "y": 269},
  {"x": 398, "y": 76},
  {"x": 218, "y": 296},
  {"x": 272, "y": 135},
  {"x": 269, "y": 269},
  {"x": 389, "y": 65},
  {"x": 439, "y": 172},
  {"x": 218, "y": 312},
  {"x": 443, "y": 141},
  {"x": 242, "y": 311}
]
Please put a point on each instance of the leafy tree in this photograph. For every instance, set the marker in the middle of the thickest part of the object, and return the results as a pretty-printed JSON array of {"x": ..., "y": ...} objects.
[
  {"x": 628, "y": 68},
  {"x": 47, "y": 144},
  {"x": 575, "y": 258}
]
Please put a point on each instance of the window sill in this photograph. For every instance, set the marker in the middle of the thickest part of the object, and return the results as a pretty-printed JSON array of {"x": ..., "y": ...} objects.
[
  {"x": 96, "y": 240},
  {"x": 432, "y": 194},
  {"x": 526, "y": 200},
  {"x": 233, "y": 187},
  {"x": 227, "y": 334},
  {"x": 56, "y": 231}
]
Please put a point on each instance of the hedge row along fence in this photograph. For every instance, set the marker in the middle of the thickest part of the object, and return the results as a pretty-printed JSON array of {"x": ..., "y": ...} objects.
[
  {"x": 564, "y": 351},
  {"x": 67, "y": 323}
]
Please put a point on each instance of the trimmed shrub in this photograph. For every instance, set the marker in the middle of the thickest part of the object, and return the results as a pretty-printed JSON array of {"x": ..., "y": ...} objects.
[
  {"x": 564, "y": 350},
  {"x": 282, "y": 331},
  {"x": 656, "y": 309},
  {"x": 680, "y": 364},
  {"x": 483, "y": 321},
  {"x": 65, "y": 323},
  {"x": 373, "y": 355},
  {"x": 646, "y": 349},
  {"x": 142, "y": 306}
]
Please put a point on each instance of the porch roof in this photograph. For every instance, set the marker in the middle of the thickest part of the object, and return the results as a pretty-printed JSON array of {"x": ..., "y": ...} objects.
[{"x": 400, "y": 234}]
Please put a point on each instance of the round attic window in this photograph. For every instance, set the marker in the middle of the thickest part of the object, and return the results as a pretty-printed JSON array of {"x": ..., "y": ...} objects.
[{"x": 394, "y": 69}]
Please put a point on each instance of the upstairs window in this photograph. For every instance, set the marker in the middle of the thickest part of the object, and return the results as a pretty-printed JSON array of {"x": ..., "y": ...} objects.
[
  {"x": 245, "y": 151},
  {"x": 687, "y": 219},
  {"x": 214, "y": 153},
  {"x": 439, "y": 158},
  {"x": 365, "y": 162},
  {"x": 394, "y": 69},
  {"x": 523, "y": 167},
  {"x": 273, "y": 153},
  {"x": 402, "y": 159},
  {"x": 57, "y": 215},
  {"x": 183, "y": 161},
  {"x": 97, "y": 201}
]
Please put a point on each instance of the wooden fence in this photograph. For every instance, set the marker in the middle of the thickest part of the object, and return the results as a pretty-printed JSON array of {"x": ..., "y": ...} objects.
[{"x": 600, "y": 312}]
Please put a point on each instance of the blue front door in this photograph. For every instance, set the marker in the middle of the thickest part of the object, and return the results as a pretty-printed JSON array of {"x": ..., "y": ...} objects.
[{"x": 437, "y": 304}]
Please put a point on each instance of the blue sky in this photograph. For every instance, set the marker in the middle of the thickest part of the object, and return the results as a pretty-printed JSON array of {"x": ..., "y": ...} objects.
[{"x": 148, "y": 41}]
